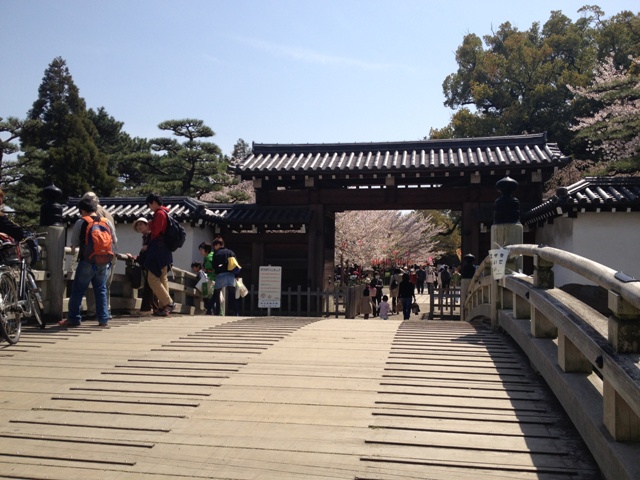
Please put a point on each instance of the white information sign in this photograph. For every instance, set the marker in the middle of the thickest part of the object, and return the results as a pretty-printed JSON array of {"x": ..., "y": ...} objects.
[{"x": 269, "y": 287}]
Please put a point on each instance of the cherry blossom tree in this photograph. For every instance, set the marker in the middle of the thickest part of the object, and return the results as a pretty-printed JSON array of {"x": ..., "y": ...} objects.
[
  {"x": 364, "y": 237},
  {"x": 613, "y": 128}
]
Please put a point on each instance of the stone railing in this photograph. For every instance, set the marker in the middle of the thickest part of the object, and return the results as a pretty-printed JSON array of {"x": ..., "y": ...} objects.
[
  {"x": 590, "y": 360},
  {"x": 54, "y": 275}
]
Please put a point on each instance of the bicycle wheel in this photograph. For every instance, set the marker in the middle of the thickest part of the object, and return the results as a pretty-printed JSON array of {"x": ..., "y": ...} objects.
[
  {"x": 10, "y": 322},
  {"x": 34, "y": 299}
]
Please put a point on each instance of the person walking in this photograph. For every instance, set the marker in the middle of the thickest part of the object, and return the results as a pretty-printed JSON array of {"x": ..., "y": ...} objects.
[
  {"x": 406, "y": 294},
  {"x": 422, "y": 277},
  {"x": 394, "y": 289},
  {"x": 431, "y": 280},
  {"x": 88, "y": 271},
  {"x": 159, "y": 257},
  {"x": 376, "y": 282}
]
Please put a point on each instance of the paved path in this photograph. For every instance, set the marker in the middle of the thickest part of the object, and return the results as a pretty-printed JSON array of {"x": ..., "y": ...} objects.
[{"x": 278, "y": 398}]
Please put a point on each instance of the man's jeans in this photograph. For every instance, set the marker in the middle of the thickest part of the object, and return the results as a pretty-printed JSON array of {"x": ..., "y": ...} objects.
[
  {"x": 406, "y": 307},
  {"x": 96, "y": 275}
]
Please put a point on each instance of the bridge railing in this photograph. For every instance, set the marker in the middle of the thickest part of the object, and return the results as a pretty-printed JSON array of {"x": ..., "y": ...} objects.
[
  {"x": 126, "y": 297},
  {"x": 591, "y": 361}
]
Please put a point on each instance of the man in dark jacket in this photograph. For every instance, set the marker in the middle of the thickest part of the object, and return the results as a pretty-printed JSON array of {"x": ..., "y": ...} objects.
[
  {"x": 406, "y": 294},
  {"x": 159, "y": 257}
]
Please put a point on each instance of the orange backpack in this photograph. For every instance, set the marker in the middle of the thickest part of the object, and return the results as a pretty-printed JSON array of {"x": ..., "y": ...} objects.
[{"x": 98, "y": 241}]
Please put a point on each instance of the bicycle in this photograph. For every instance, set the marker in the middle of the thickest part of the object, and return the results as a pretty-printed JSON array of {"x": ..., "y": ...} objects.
[{"x": 20, "y": 296}]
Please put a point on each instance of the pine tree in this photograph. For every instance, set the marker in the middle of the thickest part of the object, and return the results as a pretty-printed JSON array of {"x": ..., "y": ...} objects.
[
  {"x": 234, "y": 191},
  {"x": 59, "y": 135},
  {"x": 192, "y": 167}
]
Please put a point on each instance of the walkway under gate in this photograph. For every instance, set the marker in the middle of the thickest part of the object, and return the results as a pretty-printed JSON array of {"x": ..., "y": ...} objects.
[{"x": 279, "y": 398}]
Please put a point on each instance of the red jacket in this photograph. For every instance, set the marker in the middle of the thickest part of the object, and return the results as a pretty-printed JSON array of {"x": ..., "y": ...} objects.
[{"x": 158, "y": 223}]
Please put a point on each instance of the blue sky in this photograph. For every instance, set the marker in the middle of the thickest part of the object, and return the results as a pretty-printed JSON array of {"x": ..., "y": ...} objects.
[{"x": 266, "y": 71}]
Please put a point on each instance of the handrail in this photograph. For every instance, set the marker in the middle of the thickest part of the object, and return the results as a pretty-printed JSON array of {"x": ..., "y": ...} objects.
[
  {"x": 593, "y": 271},
  {"x": 566, "y": 340}
]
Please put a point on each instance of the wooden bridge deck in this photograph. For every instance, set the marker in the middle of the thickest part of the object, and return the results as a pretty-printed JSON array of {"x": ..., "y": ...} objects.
[{"x": 279, "y": 398}]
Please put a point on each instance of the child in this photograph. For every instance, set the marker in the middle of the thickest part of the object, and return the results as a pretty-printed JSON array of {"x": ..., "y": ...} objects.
[
  {"x": 201, "y": 279},
  {"x": 206, "y": 250},
  {"x": 365, "y": 307},
  {"x": 196, "y": 267},
  {"x": 384, "y": 308}
]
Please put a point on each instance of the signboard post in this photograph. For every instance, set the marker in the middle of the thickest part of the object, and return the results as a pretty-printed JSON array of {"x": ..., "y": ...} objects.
[{"x": 269, "y": 288}]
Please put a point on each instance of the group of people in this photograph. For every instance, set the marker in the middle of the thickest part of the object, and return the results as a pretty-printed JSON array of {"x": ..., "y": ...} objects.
[
  {"x": 403, "y": 287},
  {"x": 156, "y": 260},
  {"x": 401, "y": 290},
  {"x": 96, "y": 268}
]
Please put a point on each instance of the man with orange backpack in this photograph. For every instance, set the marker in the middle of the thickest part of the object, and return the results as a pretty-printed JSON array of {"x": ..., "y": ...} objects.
[{"x": 93, "y": 234}]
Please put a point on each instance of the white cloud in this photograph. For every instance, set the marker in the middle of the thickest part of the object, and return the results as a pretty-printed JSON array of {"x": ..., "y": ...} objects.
[{"x": 311, "y": 56}]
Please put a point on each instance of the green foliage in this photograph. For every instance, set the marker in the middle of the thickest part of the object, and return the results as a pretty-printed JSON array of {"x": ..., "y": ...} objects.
[
  {"x": 447, "y": 224},
  {"x": 234, "y": 191},
  {"x": 241, "y": 150},
  {"x": 11, "y": 130},
  {"x": 514, "y": 82},
  {"x": 59, "y": 137},
  {"x": 190, "y": 168}
]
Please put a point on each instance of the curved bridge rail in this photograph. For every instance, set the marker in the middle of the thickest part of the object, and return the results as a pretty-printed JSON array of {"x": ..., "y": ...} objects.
[{"x": 591, "y": 362}]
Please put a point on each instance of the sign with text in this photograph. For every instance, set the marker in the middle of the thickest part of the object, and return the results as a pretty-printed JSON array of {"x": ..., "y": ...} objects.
[{"x": 269, "y": 287}]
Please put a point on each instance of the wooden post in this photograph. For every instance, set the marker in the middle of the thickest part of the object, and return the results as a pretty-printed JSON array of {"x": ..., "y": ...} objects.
[
  {"x": 619, "y": 419},
  {"x": 570, "y": 358},
  {"x": 521, "y": 307},
  {"x": 542, "y": 273},
  {"x": 54, "y": 287},
  {"x": 624, "y": 325},
  {"x": 541, "y": 326}
]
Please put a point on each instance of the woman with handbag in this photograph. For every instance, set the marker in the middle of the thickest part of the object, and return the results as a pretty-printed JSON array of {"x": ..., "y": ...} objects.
[
  {"x": 406, "y": 294},
  {"x": 150, "y": 303},
  {"x": 226, "y": 269}
]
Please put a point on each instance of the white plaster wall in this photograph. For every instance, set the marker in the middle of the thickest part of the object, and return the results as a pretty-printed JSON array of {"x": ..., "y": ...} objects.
[{"x": 612, "y": 239}]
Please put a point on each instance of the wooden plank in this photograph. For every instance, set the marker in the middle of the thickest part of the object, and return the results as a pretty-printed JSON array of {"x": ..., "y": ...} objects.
[{"x": 319, "y": 401}]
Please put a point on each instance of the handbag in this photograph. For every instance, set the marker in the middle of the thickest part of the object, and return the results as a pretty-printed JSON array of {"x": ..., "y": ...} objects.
[
  {"x": 415, "y": 308},
  {"x": 134, "y": 272},
  {"x": 207, "y": 288},
  {"x": 241, "y": 290}
]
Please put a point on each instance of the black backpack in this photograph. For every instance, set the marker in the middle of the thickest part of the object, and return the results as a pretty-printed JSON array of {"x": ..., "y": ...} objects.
[{"x": 174, "y": 235}]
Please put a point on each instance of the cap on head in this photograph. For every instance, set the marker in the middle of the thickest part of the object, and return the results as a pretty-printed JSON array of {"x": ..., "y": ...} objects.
[{"x": 140, "y": 220}]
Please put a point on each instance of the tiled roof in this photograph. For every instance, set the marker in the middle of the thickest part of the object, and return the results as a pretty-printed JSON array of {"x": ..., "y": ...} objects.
[
  {"x": 253, "y": 215},
  {"x": 187, "y": 209},
  {"x": 127, "y": 209},
  {"x": 388, "y": 157},
  {"x": 591, "y": 194}
]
